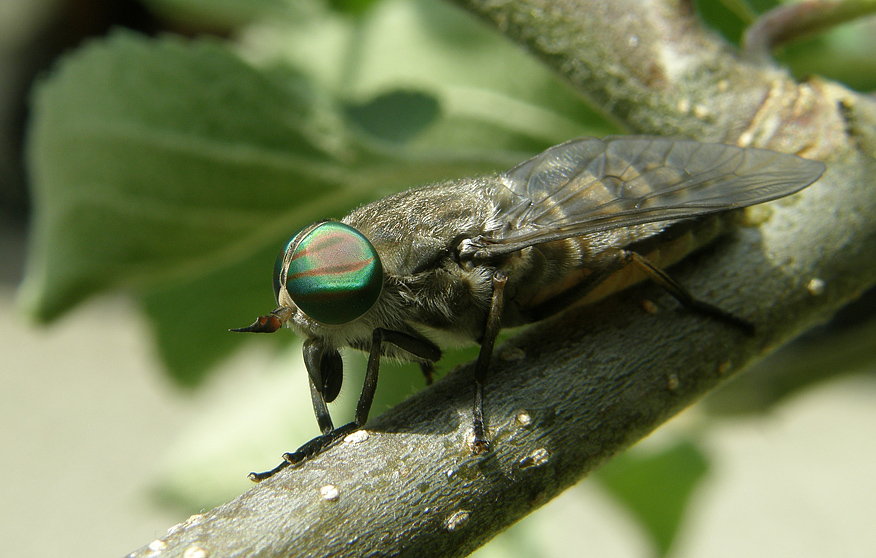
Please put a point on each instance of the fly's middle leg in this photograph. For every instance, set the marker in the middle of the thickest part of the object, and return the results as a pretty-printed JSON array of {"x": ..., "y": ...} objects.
[{"x": 479, "y": 443}]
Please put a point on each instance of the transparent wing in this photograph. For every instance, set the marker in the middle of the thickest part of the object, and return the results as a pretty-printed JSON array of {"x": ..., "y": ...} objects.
[{"x": 588, "y": 185}]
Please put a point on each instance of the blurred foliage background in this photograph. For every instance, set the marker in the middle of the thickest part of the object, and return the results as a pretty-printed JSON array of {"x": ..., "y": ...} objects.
[{"x": 167, "y": 149}]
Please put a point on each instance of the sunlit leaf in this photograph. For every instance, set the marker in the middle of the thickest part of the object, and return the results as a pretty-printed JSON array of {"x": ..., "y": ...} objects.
[
  {"x": 153, "y": 160},
  {"x": 164, "y": 166}
]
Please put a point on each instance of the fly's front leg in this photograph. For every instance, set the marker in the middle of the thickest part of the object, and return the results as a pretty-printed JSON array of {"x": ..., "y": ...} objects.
[
  {"x": 479, "y": 443},
  {"x": 325, "y": 372},
  {"x": 366, "y": 398},
  {"x": 311, "y": 448},
  {"x": 320, "y": 410}
]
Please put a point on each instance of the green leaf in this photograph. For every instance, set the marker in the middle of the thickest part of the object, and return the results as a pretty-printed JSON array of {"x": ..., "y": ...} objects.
[
  {"x": 191, "y": 319},
  {"x": 492, "y": 94},
  {"x": 396, "y": 116},
  {"x": 177, "y": 168},
  {"x": 227, "y": 14},
  {"x": 729, "y": 18},
  {"x": 352, "y": 6},
  {"x": 656, "y": 487},
  {"x": 153, "y": 160},
  {"x": 836, "y": 54}
]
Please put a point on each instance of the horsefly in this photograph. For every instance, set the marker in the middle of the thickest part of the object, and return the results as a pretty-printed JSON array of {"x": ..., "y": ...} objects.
[{"x": 456, "y": 261}]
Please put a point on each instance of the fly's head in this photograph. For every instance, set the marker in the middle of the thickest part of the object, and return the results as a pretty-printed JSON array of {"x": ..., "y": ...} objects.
[
  {"x": 329, "y": 274},
  {"x": 326, "y": 278}
]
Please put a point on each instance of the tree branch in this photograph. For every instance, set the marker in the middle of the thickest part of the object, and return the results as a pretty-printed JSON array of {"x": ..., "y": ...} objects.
[
  {"x": 787, "y": 23},
  {"x": 569, "y": 393},
  {"x": 653, "y": 66}
]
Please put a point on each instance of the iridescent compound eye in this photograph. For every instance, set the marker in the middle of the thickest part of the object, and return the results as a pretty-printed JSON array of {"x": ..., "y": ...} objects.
[
  {"x": 278, "y": 267},
  {"x": 334, "y": 274}
]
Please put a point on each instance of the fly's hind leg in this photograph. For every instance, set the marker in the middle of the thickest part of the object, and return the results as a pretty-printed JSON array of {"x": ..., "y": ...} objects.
[
  {"x": 684, "y": 297},
  {"x": 479, "y": 443},
  {"x": 617, "y": 262}
]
